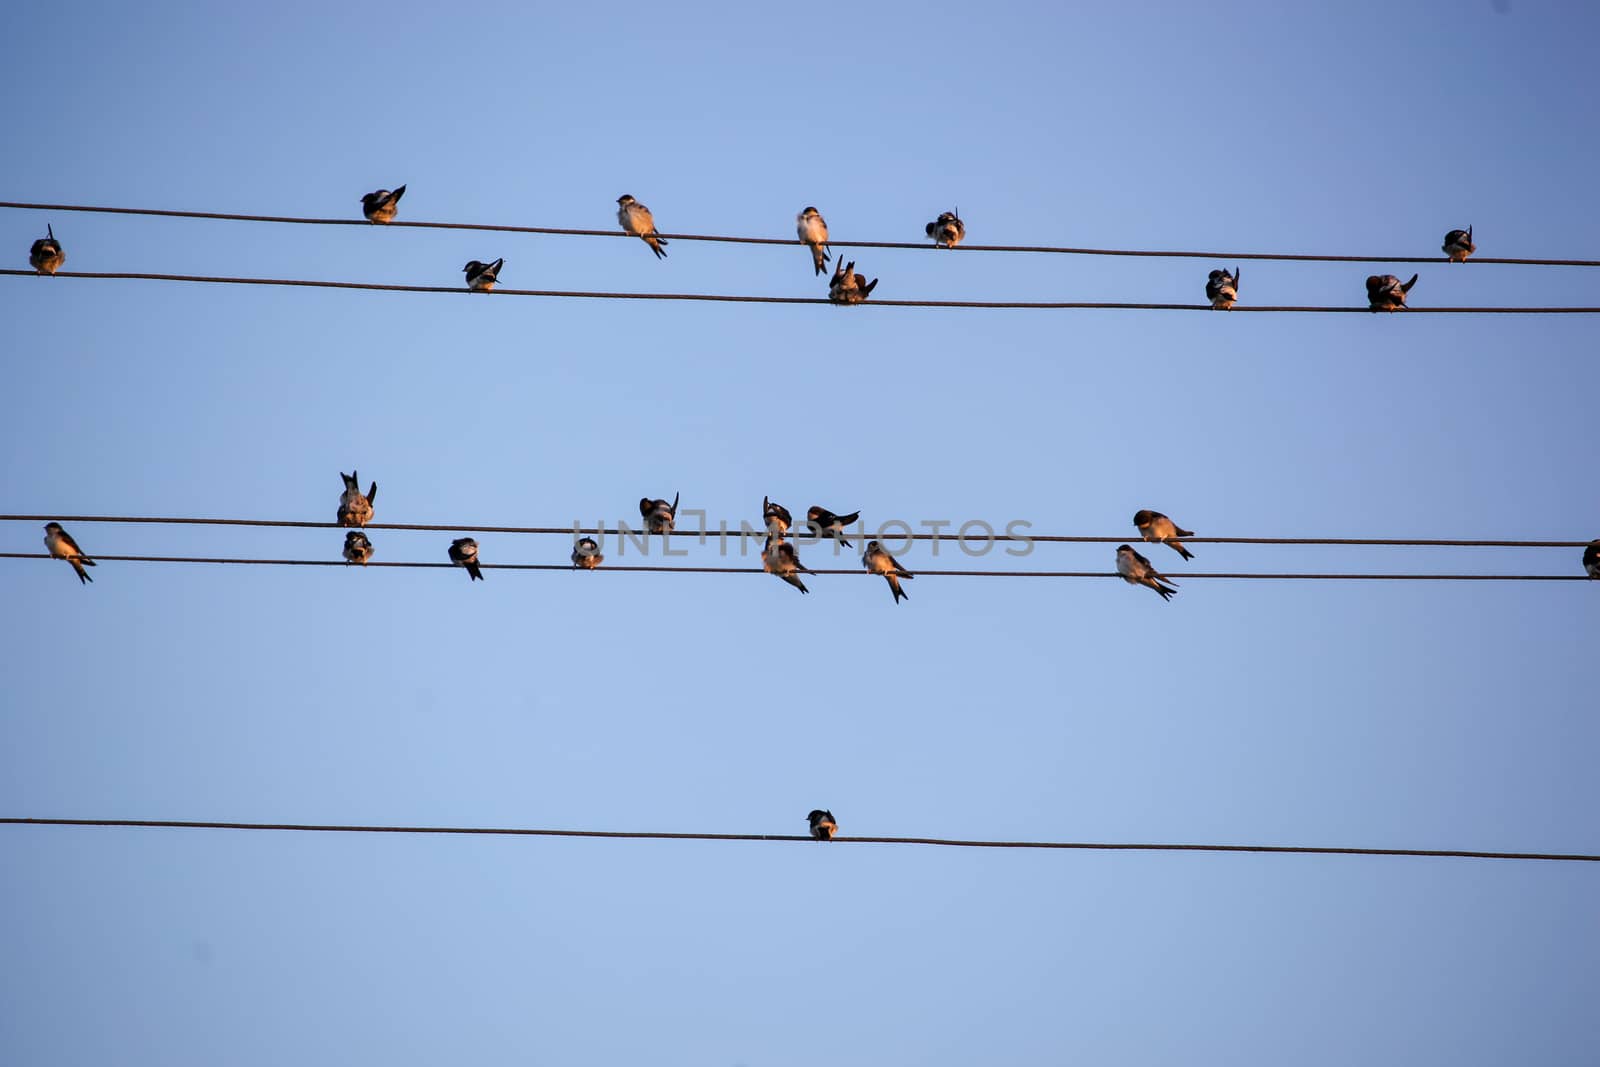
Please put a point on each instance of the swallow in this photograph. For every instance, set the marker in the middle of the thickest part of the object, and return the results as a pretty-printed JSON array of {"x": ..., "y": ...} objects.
[
  {"x": 825, "y": 523},
  {"x": 46, "y": 256},
  {"x": 1222, "y": 289},
  {"x": 586, "y": 554},
  {"x": 637, "y": 220},
  {"x": 823, "y": 826},
  {"x": 1136, "y": 570},
  {"x": 1154, "y": 526},
  {"x": 813, "y": 233},
  {"x": 62, "y": 546},
  {"x": 1385, "y": 293},
  {"x": 780, "y": 558},
  {"x": 1458, "y": 245},
  {"x": 947, "y": 230},
  {"x": 775, "y": 517},
  {"x": 876, "y": 560},
  {"x": 848, "y": 287},
  {"x": 659, "y": 516},
  {"x": 355, "y": 509},
  {"x": 464, "y": 553},
  {"x": 482, "y": 276},
  {"x": 380, "y": 205},
  {"x": 1591, "y": 558},
  {"x": 357, "y": 549}
]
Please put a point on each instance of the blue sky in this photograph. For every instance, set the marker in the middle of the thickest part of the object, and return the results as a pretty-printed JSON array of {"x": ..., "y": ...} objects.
[{"x": 1376, "y": 714}]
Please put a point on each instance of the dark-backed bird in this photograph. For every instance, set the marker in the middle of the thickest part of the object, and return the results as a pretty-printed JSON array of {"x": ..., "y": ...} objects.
[
  {"x": 1458, "y": 245},
  {"x": 61, "y": 545},
  {"x": 637, "y": 220},
  {"x": 659, "y": 516},
  {"x": 46, "y": 255},
  {"x": 813, "y": 233},
  {"x": 481, "y": 277},
  {"x": 380, "y": 205},
  {"x": 586, "y": 554},
  {"x": 825, "y": 523},
  {"x": 1154, "y": 526},
  {"x": 1385, "y": 293},
  {"x": 1136, "y": 570},
  {"x": 775, "y": 517},
  {"x": 357, "y": 549},
  {"x": 947, "y": 230},
  {"x": 464, "y": 553},
  {"x": 1222, "y": 289},
  {"x": 823, "y": 825},
  {"x": 1591, "y": 559},
  {"x": 848, "y": 287}
]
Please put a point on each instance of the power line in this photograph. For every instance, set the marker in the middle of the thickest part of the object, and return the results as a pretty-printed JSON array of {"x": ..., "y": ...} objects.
[
  {"x": 790, "y": 241},
  {"x": 797, "y": 531},
  {"x": 851, "y": 571},
  {"x": 1003, "y": 305},
  {"x": 647, "y": 835}
]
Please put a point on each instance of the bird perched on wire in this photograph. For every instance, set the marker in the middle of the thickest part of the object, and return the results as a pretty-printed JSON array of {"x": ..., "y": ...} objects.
[
  {"x": 354, "y": 508},
  {"x": 380, "y": 205},
  {"x": 1222, "y": 289},
  {"x": 586, "y": 554},
  {"x": 1136, "y": 570},
  {"x": 357, "y": 549},
  {"x": 464, "y": 553},
  {"x": 780, "y": 558},
  {"x": 1385, "y": 293},
  {"x": 1591, "y": 559},
  {"x": 659, "y": 516},
  {"x": 947, "y": 230},
  {"x": 481, "y": 277},
  {"x": 1458, "y": 245},
  {"x": 813, "y": 233},
  {"x": 775, "y": 517},
  {"x": 823, "y": 826},
  {"x": 45, "y": 255},
  {"x": 60, "y": 544},
  {"x": 825, "y": 523},
  {"x": 848, "y": 287},
  {"x": 637, "y": 220},
  {"x": 878, "y": 561},
  {"x": 1154, "y": 526}
]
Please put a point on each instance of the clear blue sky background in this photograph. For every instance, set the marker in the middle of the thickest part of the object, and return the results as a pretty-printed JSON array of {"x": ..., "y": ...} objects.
[{"x": 1405, "y": 715}]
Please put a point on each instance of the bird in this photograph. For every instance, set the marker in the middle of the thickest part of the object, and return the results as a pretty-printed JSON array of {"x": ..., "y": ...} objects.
[
  {"x": 659, "y": 516},
  {"x": 61, "y": 545},
  {"x": 46, "y": 256},
  {"x": 823, "y": 826},
  {"x": 947, "y": 230},
  {"x": 780, "y": 558},
  {"x": 813, "y": 233},
  {"x": 355, "y": 509},
  {"x": 825, "y": 523},
  {"x": 380, "y": 204},
  {"x": 637, "y": 220},
  {"x": 357, "y": 549},
  {"x": 775, "y": 517},
  {"x": 481, "y": 277},
  {"x": 1458, "y": 245},
  {"x": 1136, "y": 570},
  {"x": 464, "y": 553},
  {"x": 1385, "y": 293},
  {"x": 1222, "y": 289},
  {"x": 586, "y": 554},
  {"x": 1591, "y": 559},
  {"x": 846, "y": 286},
  {"x": 1154, "y": 526},
  {"x": 876, "y": 560}
]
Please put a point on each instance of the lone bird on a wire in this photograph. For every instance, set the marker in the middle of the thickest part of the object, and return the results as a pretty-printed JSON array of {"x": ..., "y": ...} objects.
[
  {"x": 380, "y": 205},
  {"x": 355, "y": 509},
  {"x": 1458, "y": 245},
  {"x": 823, "y": 825},
  {"x": 46, "y": 255},
  {"x": 878, "y": 561},
  {"x": 947, "y": 230},
  {"x": 357, "y": 548},
  {"x": 1154, "y": 526},
  {"x": 813, "y": 233},
  {"x": 659, "y": 516},
  {"x": 464, "y": 553},
  {"x": 848, "y": 287},
  {"x": 586, "y": 554},
  {"x": 481, "y": 277},
  {"x": 1136, "y": 570},
  {"x": 1385, "y": 293},
  {"x": 1222, "y": 289},
  {"x": 637, "y": 220},
  {"x": 61, "y": 545}
]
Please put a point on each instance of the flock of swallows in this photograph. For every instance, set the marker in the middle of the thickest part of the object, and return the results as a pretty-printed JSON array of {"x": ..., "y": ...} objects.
[{"x": 1385, "y": 292}]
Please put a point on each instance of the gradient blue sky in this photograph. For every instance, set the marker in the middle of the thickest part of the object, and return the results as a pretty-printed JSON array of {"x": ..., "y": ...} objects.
[{"x": 1406, "y": 715}]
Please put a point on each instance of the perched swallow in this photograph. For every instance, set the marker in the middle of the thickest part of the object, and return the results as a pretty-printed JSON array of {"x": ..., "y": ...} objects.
[
  {"x": 46, "y": 255},
  {"x": 1136, "y": 570},
  {"x": 876, "y": 560},
  {"x": 637, "y": 220},
  {"x": 822, "y": 825},
  {"x": 464, "y": 553},
  {"x": 61, "y": 545},
  {"x": 848, "y": 287},
  {"x": 357, "y": 549},
  {"x": 1222, "y": 289},
  {"x": 380, "y": 205},
  {"x": 1591, "y": 559},
  {"x": 780, "y": 558},
  {"x": 355, "y": 509},
  {"x": 775, "y": 517},
  {"x": 586, "y": 554},
  {"x": 1458, "y": 245},
  {"x": 947, "y": 230},
  {"x": 825, "y": 523},
  {"x": 1385, "y": 293},
  {"x": 813, "y": 232},
  {"x": 482, "y": 276},
  {"x": 659, "y": 516},
  {"x": 1154, "y": 526}
]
